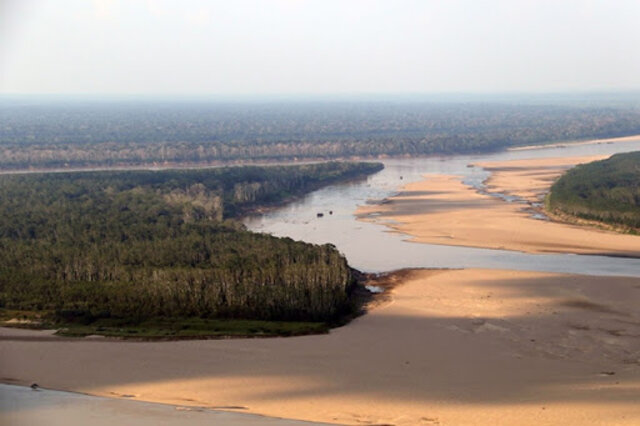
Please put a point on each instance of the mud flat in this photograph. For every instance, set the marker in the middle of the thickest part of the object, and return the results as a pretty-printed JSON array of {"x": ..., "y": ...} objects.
[{"x": 448, "y": 347}]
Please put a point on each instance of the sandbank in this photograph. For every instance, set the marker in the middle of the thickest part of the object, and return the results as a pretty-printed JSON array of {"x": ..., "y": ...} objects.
[
  {"x": 632, "y": 138},
  {"x": 443, "y": 210},
  {"x": 449, "y": 347}
]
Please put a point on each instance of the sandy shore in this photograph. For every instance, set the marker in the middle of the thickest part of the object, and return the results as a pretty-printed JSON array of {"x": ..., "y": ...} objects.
[
  {"x": 633, "y": 138},
  {"x": 443, "y": 210},
  {"x": 451, "y": 347}
]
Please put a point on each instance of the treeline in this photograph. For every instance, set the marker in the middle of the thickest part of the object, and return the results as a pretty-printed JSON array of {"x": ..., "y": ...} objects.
[
  {"x": 606, "y": 191},
  {"x": 81, "y": 134},
  {"x": 136, "y": 245}
]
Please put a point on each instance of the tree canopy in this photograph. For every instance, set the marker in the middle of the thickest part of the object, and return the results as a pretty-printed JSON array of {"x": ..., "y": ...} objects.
[
  {"x": 136, "y": 245},
  {"x": 606, "y": 191}
]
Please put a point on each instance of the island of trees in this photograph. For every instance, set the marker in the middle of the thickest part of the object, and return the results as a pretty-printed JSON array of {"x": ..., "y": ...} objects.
[
  {"x": 163, "y": 252},
  {"x": 606, "y": 191}
]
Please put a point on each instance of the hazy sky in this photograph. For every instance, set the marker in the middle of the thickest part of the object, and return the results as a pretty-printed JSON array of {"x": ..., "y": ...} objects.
[{"x": 317, "y": 46}]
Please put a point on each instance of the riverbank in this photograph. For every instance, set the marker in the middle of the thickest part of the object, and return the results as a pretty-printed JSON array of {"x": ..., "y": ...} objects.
[
  {"x": 507, "y": 214},
  {"x": 632, "y": 138},
  {"x": 469, "y": 347}
]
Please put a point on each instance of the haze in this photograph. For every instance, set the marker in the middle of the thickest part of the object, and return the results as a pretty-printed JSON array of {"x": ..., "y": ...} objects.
[{"x": 317, "y": 47}]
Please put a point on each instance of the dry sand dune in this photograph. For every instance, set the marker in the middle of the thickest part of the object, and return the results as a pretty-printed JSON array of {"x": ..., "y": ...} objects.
[
  {"x": 443, "y": 210},
  {"x": 450, "y": 347}
]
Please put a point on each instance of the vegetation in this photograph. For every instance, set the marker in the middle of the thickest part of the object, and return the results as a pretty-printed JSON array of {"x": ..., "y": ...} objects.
[
  {"x": 161, "y": 328},
  {"x": 606, "y": 191},
  {"x": 113, "y": 250},
  {"x": 107, "y": 133}
]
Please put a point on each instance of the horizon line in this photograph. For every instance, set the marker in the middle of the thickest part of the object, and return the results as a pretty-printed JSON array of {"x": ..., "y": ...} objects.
[{"x": 617, "y": 94}]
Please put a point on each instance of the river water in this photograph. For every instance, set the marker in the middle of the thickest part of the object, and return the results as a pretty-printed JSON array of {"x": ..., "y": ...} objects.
[
  {"x": 22, "y": 406},
  {"x": 371, "y": 247}
]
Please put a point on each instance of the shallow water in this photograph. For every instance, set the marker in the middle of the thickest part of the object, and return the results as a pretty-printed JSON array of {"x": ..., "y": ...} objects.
[
  {"x": 22, "y": 406},
  {"x": 373, "y": 248}
]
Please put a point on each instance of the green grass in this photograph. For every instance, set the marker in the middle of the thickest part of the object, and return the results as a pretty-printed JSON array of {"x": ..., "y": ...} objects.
[{"x": 164, "y": 328}]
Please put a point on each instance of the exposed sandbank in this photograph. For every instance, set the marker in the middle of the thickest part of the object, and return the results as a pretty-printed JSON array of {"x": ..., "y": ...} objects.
[
  {"x": 451, "y": 347},
  {"x": 443, "y": 210},
  {"x": 633, "y": 138}
]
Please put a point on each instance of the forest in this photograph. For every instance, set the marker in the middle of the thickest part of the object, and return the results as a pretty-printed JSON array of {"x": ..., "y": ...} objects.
[
  {"x": 607, "y": 191},
  {"x": 139, "y": 246},
  {"x": 106, "y": 133}
]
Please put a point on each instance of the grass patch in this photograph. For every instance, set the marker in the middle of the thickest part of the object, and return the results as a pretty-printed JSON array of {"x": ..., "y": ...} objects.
[
  {"x": 162, "y": 328},
  {"x": 191, "y": 328}
]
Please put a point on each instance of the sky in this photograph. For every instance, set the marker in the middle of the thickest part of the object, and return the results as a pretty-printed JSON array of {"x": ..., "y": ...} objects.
[{"x": 266, "y": 47}]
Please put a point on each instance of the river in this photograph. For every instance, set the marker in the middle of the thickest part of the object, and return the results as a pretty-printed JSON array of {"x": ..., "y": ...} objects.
[
  {"x": 371, "y": 247},
  {"x": 368, "y": 246}
]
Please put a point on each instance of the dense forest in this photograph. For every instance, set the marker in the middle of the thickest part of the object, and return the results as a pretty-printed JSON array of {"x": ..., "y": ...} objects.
[
  {"x": 606, "y": 191},
  {"x": 138, "y": 245},
  {"x": 83, "y": 133}
]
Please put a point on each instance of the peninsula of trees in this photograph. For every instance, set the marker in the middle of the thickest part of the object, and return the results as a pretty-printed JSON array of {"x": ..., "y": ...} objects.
[
  {"x": 132, "y": 247},
  {"x": 606, "y": 191}
]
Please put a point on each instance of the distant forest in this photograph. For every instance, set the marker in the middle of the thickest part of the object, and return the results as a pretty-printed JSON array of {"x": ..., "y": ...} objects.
[
  {"x": 606, "y": 191},
  {"x": 85, "y": 134},
  {"x": 137, "y": 245}
]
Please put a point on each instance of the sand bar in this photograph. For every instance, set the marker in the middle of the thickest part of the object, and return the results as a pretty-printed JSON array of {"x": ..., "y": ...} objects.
[
  {"x": 451, "y": 347},
  {"x": 443, "y": 210},
  {"x": 632, "y": 138}
]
